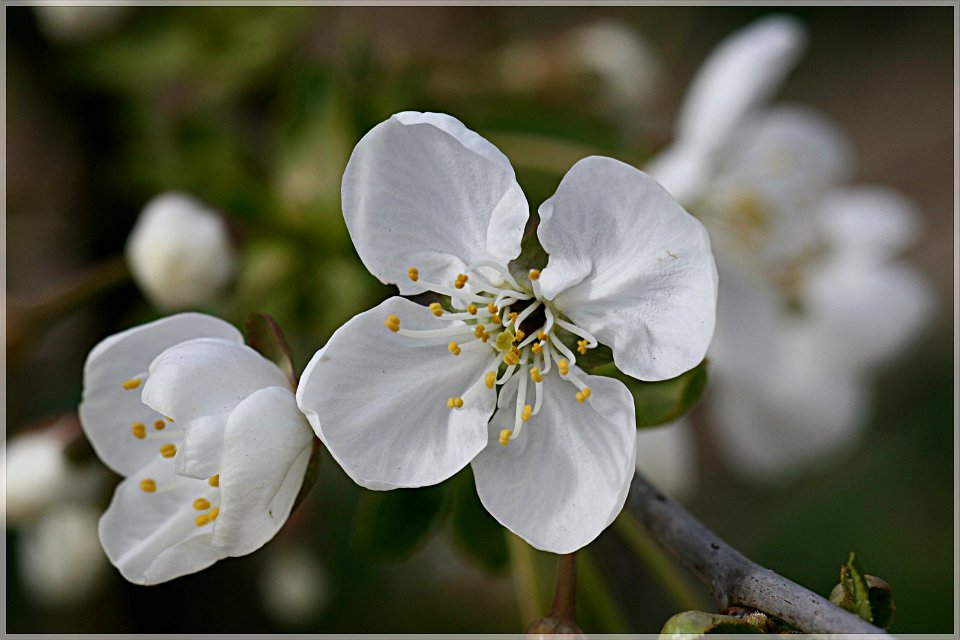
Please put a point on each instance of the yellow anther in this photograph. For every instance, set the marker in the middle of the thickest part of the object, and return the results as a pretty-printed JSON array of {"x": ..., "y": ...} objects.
[
  {"x": 454, "y": 348},
  {"x": 168, "y": 450},
  {"x": 583, "y": 394},
  {"x": 495, "y": 319},
  {"x": 201, "y": 504},
  {"x": 510, "y": 358},
  {"x": 535, "y": 374},
  {"x": 513, "y": 316},
  {"x": 519, "y": 336},
  {"x": 461, "y": 280},
  {"x": 526, "y": 412},
  {"x": 148, "y": 485},
  {"x": 490, "y": 379},
  {"x": 536, "y": 348},
  {"x": 485, "y": 337},
  {"x": 169, "y": 419},
  {"x": 582, "y": 346},
  {"x": 413, "y": 273},
  {"x": 492, "y": 308},
  {"x": 454, "y": 403},
  {"x": 504, "y": 340},
  {"x": 132, "y": 383},
  {"x": 534, "y": 274},
  {"x": 214, "y": 481},
  {"x": 202, "y": 520},
  {"x": 478, "y": 331},
  {"x": 159, "y": 425},
  {"x": 543, "y": 336},
  {"x": 564, "y": 366},
  {"x": 139, "y": 430},
  {"x": 505, "y": 436},
  {"x": 436, "y": 309},
  {"x": 472, "y": 309},
  {"x": 214, "y": 513},
  {"x": 393, "y": 323}
]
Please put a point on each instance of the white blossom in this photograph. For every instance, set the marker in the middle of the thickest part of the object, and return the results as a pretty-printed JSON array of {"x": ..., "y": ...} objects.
[
  {"x": 432, "y": 206},
  {"x": 208, "y": 437},
  {"x": 180, "y": 252}
]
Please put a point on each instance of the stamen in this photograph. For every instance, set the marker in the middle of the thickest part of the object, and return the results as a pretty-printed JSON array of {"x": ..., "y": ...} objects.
[
  {"x": 472, "y": 309},
  {"x": 520, "y": 335},
  {"x": 413, "y": 273},
  {"x": 495, "y": 319},
  {"x": 202, "y": 520},
  {"x": 510, "y": 357},
  {"x": 453, "y": 348},
  {"x": 526, "y": 413},
  {"x": 436, "y": 309},
  {"x": 139, "y": 430},
  {"x": 534, "y": 274},
  {"x": 542, "y": 336},
  {"x": 562, "y": 348},
  {"x": 455, "y": 403},
  {"x": 502, "y": 270},
  {"x": 168, "y": 450},
  {"x": 132, "y": 383},
  {"x": 201, "y": 504},
  {"x": 505, "y": 436},
  {"x": 583, "y": 394},
  {"x": 589, "y": 340},
  {"x": 159, "y": 425},
  {"x": 564, "y": 366},
  {"x": 214, "y": 513},
  {"x": 582, "y": 346},
  {"x": 513, "y": 316},
  {"x": 490, "y": 379},
  {"x": 536, "y": 348},
  {"x": 461, "y": 280},
  {"x": 492, "y": 308},
  {"x": 393, "y": 323},
  {"x": 526, "y": 313},
  {"x": 535, "y": 374},
  {"x": 148, "y": 485},
  {"x": 214, "y": 480}
]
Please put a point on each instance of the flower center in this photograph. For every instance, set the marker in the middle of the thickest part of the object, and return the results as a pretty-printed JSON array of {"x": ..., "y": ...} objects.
[{"x": 514, "y": 323}]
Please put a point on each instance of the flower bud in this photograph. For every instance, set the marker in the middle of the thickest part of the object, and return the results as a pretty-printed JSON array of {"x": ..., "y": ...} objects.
[
  {"x": 294, "y": 588},
  {"x": 180, "y": 252},
  {"x": 554, "y": 626}
]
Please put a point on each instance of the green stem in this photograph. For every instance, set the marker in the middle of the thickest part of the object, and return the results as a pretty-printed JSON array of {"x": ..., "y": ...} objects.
[
  {"x": 598, "y": 597},
  {"x": 524, "y": 578},
  {"x": 666, "y": 572}
]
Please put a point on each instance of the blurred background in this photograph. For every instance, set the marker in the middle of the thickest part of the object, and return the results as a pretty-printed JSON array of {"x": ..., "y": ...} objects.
[{"x": 254, "y": 112}]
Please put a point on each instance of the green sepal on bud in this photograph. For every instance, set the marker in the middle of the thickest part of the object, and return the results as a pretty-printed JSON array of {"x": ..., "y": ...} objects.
[{"x": 868, "y": 596}]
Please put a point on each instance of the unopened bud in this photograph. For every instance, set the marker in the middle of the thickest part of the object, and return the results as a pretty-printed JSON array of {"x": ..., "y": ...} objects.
[
  {"x": 180, "y": 252},
  {"x": 552, "y": 627}
]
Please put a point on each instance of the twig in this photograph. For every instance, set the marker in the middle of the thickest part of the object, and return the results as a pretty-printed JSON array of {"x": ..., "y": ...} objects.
[{"x": 732, "y": 578}]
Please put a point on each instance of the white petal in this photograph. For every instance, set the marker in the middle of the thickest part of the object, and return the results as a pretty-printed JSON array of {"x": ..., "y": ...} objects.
[
  {"x": 206, "y": 377},
  {"x": 265, "y": 454},
  {"x": 422, "y": 190},
  {"x": 630, "y": 266},
  {"x": 108, "y": 410},
  {"x": 862, "y": 317},
  {"x": 741, "y": 73},
  {"x": 870, "y": 224},
  {"x": 684, "y": 170},
  {"x": 153, "y": 537},
  {"x": 666, "y": 454},
  {"x": 566, "y": 476},
  {"x": 198, "y": 455},
  {"x": 378, "y": 400}
]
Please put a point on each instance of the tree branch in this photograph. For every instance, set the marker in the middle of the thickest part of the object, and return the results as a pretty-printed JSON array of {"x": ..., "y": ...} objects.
[{"x": 731, "y": 577}]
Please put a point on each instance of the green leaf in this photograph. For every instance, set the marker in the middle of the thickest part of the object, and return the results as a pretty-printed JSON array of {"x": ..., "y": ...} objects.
[
  {"x": 868, "y": 596},
  {"x": 391, "y": 525},
  {"x": 664, "y": 401},
  {"x": 266, "y": 337},
  {"x": 695, "y": 623},
  {"x": 473, "y": 530}
]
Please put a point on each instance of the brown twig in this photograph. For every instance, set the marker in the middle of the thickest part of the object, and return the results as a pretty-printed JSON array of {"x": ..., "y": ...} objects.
[{"x": 731, "y": 577}]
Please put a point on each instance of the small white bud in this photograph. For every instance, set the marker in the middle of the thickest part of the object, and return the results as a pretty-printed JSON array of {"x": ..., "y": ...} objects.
[
  {"x": 180, "y": 252},
  {"x": 293, "y": 587}
]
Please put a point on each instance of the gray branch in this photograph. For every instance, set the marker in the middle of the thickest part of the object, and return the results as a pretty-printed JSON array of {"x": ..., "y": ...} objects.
[{"x": 732, "y": 578}]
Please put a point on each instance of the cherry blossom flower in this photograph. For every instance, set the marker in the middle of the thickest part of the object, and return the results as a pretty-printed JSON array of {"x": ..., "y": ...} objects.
[
  {"x": 811, "y": 294},
  {"x": 180, "y": 252},
  {"x": 208, "y": 437},
  {"x": 487, "y": 374}
]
